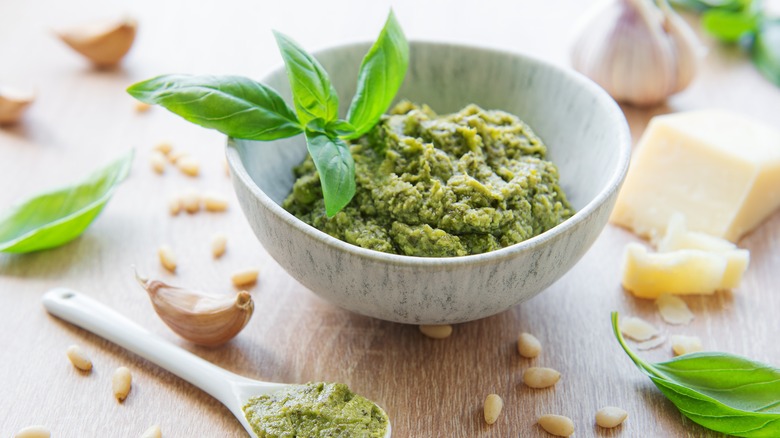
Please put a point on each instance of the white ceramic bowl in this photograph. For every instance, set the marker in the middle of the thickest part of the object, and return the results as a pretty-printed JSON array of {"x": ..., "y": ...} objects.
[{"x": 584, "y": 130}]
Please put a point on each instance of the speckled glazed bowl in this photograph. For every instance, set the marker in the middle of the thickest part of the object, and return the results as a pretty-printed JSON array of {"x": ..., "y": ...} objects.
[{"x": 586, "y": 135}]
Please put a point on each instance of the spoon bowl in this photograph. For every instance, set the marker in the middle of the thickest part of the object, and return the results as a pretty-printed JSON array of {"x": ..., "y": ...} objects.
[{"x": 230, "y": 389}]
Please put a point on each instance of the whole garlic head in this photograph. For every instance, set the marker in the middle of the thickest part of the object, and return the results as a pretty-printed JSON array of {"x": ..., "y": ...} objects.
[{"x": 640, "y": 52}]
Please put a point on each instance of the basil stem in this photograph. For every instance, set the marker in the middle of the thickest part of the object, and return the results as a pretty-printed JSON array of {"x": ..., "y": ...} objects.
[
  {"x": 720, "y": 391},
  {"x": 766, "y": 50},
  {"x": 54, "y": 218},
  {"x": 233, "y": 105},
  {"x": 313, "y": 93},
  {"x": 334, "y": 163},
  {"x": 381, "y": 75}
]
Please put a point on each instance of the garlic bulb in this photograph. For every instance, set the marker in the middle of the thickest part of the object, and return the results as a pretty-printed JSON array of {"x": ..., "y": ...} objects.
[
  {"x": 198, "y": 317},
  {"x": 639, "y": 51},
  {"x": 104, "y": 43},
  {"x": 13, "y": 104}
]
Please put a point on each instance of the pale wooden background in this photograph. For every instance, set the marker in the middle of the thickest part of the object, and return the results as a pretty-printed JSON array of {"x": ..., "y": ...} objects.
[{"x": 429, "y": 388}]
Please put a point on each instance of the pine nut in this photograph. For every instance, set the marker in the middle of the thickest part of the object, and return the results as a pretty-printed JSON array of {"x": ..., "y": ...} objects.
[
  {"x": 174, "y": 206},
  {"x": 79, "y": 358},
  {"x": 121, "y": 382},
  {"x": 164, "y": 148},
  {"x": 436, "y": 331},
  {"x": 218, "y": 245},
  {"x": 528, "y": 345},
  {"x": 152, "y": 432},
  {"x": 188, "y": 166},
  {"x": 557, "y": 425},
  {"x": 610, "y": 417},
  {"x": 244, "y": 278},
  {"x": 493, "y": 406},
  {"x": 175, "y": 156},
  {"x": 190, "y": 200},
  {"x": 537, "y": 377},
  {"x": 167, "y": 258},
  {"x": 214, "y": 202},
  {"x": 142, "y": 107},
  {"x": 33, "y": 432},
  {"x": 157, "y": 160}
]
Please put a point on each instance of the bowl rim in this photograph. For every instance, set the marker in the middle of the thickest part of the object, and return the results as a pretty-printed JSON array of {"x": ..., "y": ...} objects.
[{"x": 612, "y": 185}]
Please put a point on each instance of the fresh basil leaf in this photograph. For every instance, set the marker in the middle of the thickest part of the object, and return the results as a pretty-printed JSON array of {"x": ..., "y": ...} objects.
[
  {"x": 729, "y": 26},
  {"x": 313, "y": 94},
  {"x": 233, "y": 105},
  {"x": 381, "y": 75},
  {"x": 341, "y": 128},
  {"x": 54, "y": 218},
  {"x": 766, "y": 50},
  {"x": 722, "y": 392},
  {"x": 336, "y": 168}
]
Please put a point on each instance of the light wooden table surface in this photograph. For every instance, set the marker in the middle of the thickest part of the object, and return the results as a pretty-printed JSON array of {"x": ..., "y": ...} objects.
[{"x": 83, "y": 118}]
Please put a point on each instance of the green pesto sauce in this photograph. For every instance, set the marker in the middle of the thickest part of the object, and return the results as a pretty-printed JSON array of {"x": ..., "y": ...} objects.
[
  {"x": 440, "y": 186},
  {"x": 315, "y": 410}
]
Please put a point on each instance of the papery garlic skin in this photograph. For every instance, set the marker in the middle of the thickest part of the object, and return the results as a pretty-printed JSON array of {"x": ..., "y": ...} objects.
[
  {"x": 638, "y": 52},
  {"x": 201, "y": 318}
]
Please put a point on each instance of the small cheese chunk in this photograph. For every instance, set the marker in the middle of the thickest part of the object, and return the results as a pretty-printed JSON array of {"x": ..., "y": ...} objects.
[
  {"x": 720, "y": 169},
  {"x": 685, "y": 344},
  {"x": 637, "y": 328}
]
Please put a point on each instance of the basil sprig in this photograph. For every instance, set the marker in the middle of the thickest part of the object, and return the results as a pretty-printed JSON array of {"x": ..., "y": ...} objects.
[
  {"x": 243, "y": 108},
  {"x": 55, "y": 218},
  {"x": 743, "y": 22},
  {"x": 720, "y": 391}
]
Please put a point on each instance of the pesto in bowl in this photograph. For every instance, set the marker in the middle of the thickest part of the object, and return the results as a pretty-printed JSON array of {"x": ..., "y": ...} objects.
[{"x": 440, "y": 186}]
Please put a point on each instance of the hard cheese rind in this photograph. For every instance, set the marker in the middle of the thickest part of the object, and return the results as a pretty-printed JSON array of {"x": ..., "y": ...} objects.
[{"x": 721, "y": 170}]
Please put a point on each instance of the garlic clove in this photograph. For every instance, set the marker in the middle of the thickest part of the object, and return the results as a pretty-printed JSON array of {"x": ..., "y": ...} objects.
[
  {"x": 201, "y": 318},
  {"x": 640, "y": 53},
  {"x": 13, "y": 103},
  {"x": 104, "y": 43}
]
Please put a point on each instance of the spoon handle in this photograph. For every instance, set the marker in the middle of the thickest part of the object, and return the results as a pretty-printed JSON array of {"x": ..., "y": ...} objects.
[{"x": 101, "y": 320}]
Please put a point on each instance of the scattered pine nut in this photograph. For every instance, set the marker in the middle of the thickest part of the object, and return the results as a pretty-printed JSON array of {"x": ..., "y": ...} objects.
[
  {"x": 175, "y": 156},
  {"x": 528, "y": 345},
  {"x": 152, "y": 432},
  {"x": 244, "y": 278},
  {"x": 218, "y": 245},
  {"x": 157, "y": 160},
  {"x": 141, "y": 107},
  {"x": 673, "y": 309},
  {"x": 121, "y": 383},
  {"x": 174, "y": 206},
  {"x": 637, "y": 329},
  {"x": 610, "y": 417},
  {"x": 685, "y": 344},
  {"x": 436, "y": 331},
  {"x": 164, "y": 148},
  {"x": 33, "y": 432},
  {"x": 188, "y": 166},
  {"x": 493, "y": 406},
  {"x": 557, "y": 425},
  {"x": 213, "y": 201},
  {"x": 190, "y": 200},
  {"x": 79, "y": 358},
  {"x": 167, "y": 258},
  {"x": 538, "y": 377}
]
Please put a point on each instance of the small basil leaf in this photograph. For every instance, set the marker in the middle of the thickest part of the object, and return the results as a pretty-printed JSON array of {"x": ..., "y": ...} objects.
[
  {"x": 722, "y": 392},
  {"x": 729, "y": 26},
  {"x": 341, "y": 128},
  {"x": 317, "y": 125},
  {"x": 703, "y": 5},
  {"x": 766, "y": 50},
  {"x": 313, "y": 94},
  {"x": 54, "y": 218},
  {"x": 381, "y": 75},
  {"x": 336, "y": 168},
  {"x": 233, "y": 105}
]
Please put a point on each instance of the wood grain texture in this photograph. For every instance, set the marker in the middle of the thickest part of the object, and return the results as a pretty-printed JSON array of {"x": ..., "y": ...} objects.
[{"x": 429, "y": 388}]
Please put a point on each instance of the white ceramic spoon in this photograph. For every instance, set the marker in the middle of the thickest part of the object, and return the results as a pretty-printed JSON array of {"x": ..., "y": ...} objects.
[{"x": 230, "y": 389}]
